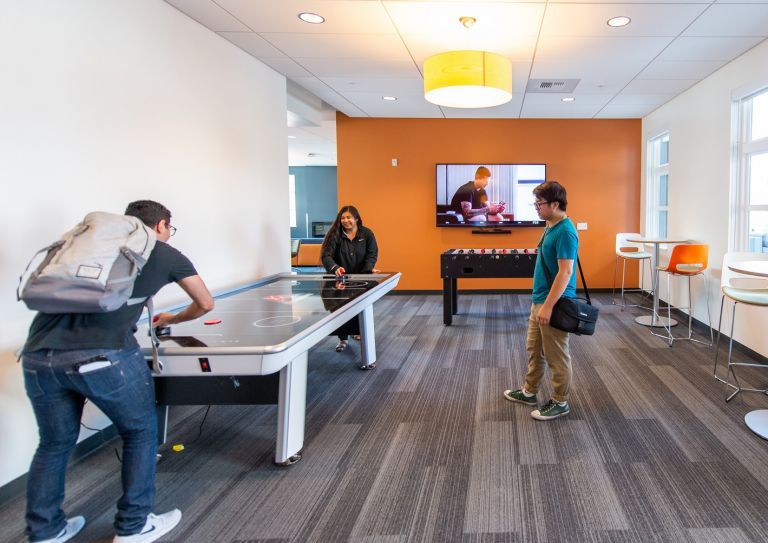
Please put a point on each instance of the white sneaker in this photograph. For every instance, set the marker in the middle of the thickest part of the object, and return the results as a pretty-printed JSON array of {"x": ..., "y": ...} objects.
[
  {"x": 73, "y": 527},
  {"x": 155, "y": 528}
]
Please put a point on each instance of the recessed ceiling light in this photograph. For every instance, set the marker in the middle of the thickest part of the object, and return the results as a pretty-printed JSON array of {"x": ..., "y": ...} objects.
[
  {"x": 291, "y": 137},
  {"x": 467, "y": 22},
  {"x": 619, "y": 21},
  {"x": 312, "y": 18},
  {"x": 568, "y": 99},
  {"x": 389, "y": 98}
]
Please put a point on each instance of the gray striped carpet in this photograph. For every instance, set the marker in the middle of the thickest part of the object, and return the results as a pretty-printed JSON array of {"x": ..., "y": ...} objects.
[{"x": 425, "y": 448}]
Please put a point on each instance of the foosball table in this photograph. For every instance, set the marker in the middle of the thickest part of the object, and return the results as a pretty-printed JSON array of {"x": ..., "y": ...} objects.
[{"x": 485, "y": 263}]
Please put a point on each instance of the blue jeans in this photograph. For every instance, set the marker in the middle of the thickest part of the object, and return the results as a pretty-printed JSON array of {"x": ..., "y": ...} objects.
[{"x": 125, "y": 392}]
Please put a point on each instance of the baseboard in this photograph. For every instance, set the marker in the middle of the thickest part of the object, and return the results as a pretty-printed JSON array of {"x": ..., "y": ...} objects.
[
  {"x": 16, "y": 488},
  {"x": 486, "y": 292}
]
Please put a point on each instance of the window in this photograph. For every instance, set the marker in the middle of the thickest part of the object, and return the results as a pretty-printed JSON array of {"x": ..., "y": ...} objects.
[
  {"x": 749, "y": 221},
  {"x": 657, "y": 195},
  {"x": 292, "y": 199}
]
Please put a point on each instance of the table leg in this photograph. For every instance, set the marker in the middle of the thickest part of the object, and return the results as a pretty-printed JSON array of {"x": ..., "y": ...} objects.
[
  {"x": 455, "y": 295},
  {"x": 367, "y": 339},
  {"x": 757, "y": 421},
  {"x": 654, "y": 320},
  {"x": 162, "y": 423},
  {"x": 291, "y": 408},
  {"x": 447, "y": 301}
]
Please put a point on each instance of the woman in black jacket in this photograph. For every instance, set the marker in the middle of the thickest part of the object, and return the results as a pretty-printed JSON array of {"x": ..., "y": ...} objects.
[{"x": 349, "y": 247}]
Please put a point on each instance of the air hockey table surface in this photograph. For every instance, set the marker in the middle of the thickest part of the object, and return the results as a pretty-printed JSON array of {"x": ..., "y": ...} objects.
[
  {"x": 257, "y": 354},
  {"x": 269, "y": 317}
]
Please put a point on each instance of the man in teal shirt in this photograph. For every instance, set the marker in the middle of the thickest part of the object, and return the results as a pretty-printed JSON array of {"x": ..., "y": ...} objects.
[{"x": 558, "y": 249}]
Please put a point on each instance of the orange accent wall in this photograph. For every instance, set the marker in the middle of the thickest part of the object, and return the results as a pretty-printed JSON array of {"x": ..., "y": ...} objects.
[{"x": 598, "y": 162}]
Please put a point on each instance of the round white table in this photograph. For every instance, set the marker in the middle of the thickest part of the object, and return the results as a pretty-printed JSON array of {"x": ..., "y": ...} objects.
[
  {"x": 654, "y": 320},
  {"x": 758, "y": 268},
  {"x": 757, "y": 420}
]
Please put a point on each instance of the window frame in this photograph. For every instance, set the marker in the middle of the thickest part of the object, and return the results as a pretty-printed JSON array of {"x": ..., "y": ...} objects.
[
  {"x": 655, "y": 171},
  {"x": 742, "y": 149}
]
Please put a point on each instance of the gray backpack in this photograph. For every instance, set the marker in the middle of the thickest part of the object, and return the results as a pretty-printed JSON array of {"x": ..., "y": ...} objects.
[{"x": 92, "y": 268}]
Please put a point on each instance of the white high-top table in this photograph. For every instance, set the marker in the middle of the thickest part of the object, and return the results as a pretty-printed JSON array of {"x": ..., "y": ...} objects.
[
  {"x": 654, "y": 320},
  {"x": 756, "y": 420}
]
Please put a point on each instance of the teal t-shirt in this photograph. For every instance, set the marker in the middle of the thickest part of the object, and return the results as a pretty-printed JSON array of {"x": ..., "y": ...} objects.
[{"x": 561, "y": 242}]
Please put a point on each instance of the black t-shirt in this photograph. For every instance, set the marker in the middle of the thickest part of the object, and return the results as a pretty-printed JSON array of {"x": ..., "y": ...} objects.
[
  {"x": 114, "y": 329},
  {"x": 467, "y": 193}
]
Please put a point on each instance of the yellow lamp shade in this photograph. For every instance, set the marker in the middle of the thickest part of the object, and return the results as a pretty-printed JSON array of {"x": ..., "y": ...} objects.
[{"x": 468, "y": 79}]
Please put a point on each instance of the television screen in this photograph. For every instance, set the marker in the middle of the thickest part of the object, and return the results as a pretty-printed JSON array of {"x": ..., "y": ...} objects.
[{"x": 488, "y": 195}]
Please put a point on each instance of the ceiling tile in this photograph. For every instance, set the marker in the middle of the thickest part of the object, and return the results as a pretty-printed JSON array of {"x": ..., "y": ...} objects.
[
  {"x": 385, "y": 87},
  {"x": 546, "y": 112},
  {"x": 624, "y": 112},
  {"x": 341, "y": 17},
  {"x": 607, "y": 59},
  {"x": 516, "y": 47},
  {"x": 252, "y": 43},
  {"x": 626, "y": 99},
  {"x": 700, "y": 48},
  {"x": 555, "y": 100},
  {"x": 679, "y": 69},
  {"x": 365, "y": 46},
  {"x": 286, "y": 66},
  {"x": 592, "y": 19},
  {"x": 353, "y": 67},
  {"x": 659, "y": 86},
  {"x": 442, "y": 19},
  {"x": 510, "y": 110},
  {"x": 207, "y": 13},
  {"x": 731, "y": 20},
  {"x": 405, "y": 106}
]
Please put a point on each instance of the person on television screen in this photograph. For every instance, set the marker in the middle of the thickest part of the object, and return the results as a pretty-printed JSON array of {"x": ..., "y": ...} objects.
[
  {"x": 471, "y": 200},
  {"x": 558, "y": 249},
  {"x": 349, "y": 247}
]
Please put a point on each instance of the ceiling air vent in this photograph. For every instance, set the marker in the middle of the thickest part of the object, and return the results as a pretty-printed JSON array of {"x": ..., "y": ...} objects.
[{"x": 551, "y": 85}]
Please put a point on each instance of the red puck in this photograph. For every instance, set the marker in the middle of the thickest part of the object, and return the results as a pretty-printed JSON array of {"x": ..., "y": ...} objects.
[{"x": 212, "y": 321}]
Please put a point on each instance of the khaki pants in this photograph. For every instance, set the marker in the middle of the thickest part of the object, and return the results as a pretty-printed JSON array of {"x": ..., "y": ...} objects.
[{"x": 553, "y": 344}]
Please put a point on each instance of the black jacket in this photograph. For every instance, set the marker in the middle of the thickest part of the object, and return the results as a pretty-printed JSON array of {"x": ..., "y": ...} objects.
[{"x": 356, "y": 255}]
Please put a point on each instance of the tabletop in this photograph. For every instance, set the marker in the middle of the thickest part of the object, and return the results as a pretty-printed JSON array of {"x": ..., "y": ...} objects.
[
  {"x": 658, "y": 240},
  {"x": 750, "y": 267},
  {"x": 269, "y": 313}
]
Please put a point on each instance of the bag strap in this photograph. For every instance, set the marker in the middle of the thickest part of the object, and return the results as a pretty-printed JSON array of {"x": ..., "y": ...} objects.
[
  {"x": 546, "y": 270},
  {"x": 50, "y": 250}
]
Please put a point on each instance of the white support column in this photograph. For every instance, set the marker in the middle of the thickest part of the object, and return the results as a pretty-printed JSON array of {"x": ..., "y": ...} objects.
[
  {"x": 367, "y": 338},
  {"x": 291, "y": 410}
]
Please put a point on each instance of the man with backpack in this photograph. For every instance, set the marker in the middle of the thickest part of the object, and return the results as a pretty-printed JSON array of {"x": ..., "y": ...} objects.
[{"x": 71, "y": 357}]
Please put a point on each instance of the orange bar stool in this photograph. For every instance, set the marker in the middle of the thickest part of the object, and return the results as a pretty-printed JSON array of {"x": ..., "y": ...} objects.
[
  {"x": 630, "y": 252},
  {"x": 739, "y": 289},
  {"x": 688, "y": 261}
]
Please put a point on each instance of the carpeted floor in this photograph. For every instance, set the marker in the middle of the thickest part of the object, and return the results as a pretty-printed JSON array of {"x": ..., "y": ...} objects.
[{"x": 425, "y": 448}]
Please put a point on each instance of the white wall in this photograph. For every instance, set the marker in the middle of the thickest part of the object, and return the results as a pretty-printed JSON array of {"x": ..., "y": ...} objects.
[
  {"x": 699, "y": 123},
  {"x": 107, "y": 101}
]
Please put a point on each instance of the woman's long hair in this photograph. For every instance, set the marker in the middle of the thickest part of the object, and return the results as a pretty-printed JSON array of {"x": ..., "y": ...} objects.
[{"x": 335, "y": 231}]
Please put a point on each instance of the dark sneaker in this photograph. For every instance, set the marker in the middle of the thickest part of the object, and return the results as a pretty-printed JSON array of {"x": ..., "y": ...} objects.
[
  {"x": 551, "y": 410},
  {"x": 519, "y": 397},
  {"x": 73, "y": 527}
]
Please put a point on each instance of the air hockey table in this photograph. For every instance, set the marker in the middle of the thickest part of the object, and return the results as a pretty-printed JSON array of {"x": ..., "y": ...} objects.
[{"x": 257, "y": 353}]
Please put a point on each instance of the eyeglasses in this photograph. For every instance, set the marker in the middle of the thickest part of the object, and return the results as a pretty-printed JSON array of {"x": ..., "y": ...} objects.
[
  {"x": 537, "y": 205},
  {"x": 172, "y": 230}
]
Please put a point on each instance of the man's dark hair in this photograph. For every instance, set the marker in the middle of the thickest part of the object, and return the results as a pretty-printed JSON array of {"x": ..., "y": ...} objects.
[
  {"x": 149, "y": 212},
  {"x": 552, "y": 191}
]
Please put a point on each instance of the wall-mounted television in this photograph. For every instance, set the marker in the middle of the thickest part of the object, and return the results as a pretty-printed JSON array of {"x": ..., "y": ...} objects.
[{"x": 503, "y": 199}]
